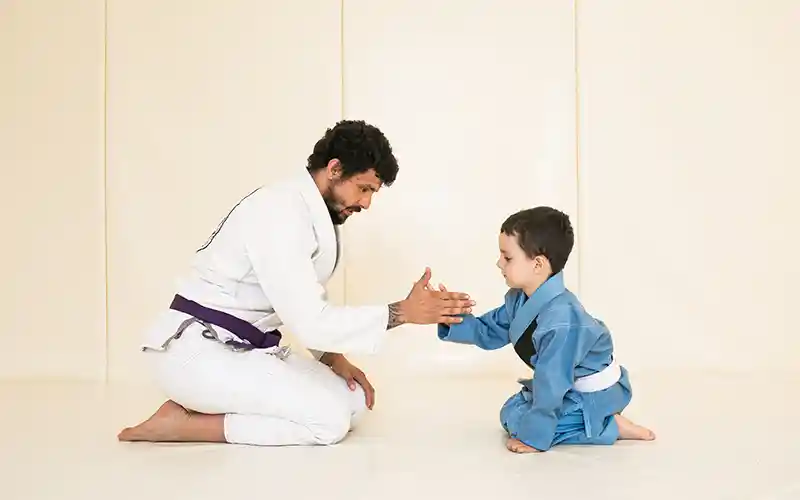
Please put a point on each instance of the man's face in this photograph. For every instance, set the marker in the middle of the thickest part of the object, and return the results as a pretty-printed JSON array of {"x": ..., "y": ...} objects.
[{"x": 345, "y": 197}]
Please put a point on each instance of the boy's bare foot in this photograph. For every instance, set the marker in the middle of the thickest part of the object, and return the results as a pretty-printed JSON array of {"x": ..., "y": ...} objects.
[
  {"x": 629, "y": 430},
  {"x": 174, "y": 423},
  {"x": 518, "y": 446}
]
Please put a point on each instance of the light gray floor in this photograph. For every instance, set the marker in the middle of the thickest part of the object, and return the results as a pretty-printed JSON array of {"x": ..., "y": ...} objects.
[{"x": 720, "y": 436}]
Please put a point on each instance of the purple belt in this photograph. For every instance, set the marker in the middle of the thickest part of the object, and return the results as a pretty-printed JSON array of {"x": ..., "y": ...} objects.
[{"x": 239, "y": 327}]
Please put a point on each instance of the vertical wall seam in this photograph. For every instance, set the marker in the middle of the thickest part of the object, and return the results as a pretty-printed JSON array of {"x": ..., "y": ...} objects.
[
  {"x": 105, "y": 187},
  {"x": 342, "y": 257},
  {"x": 579, "y": 231}
]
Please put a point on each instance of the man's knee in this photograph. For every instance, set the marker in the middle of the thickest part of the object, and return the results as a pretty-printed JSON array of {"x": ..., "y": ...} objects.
[
  {"x": 330, "y": 416},
  {"x": 358, "y": 406},
  {"x": 333, "y": 428},
  {"x": 341, "y": 415}
]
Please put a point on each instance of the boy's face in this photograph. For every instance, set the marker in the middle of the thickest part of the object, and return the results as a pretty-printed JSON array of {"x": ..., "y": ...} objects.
[{"x": 518, "y": 269}]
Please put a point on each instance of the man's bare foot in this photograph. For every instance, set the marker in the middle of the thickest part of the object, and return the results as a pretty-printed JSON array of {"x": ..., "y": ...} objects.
[
  {"x": 163, "y": 425},
  {"x": 629, "y": 430},
  {"x": 174, "y": 423},
  {"x": 518, "y": 446}
]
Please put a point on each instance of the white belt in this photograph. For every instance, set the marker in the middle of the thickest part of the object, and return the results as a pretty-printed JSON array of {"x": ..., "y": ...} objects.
[{"x": 601, "y": 380}]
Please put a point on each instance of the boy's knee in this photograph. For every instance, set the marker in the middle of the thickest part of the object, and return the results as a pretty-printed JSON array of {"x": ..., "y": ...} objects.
[
  {"x": 511, "y": 404},
  {"x": 509, "y": 411}
]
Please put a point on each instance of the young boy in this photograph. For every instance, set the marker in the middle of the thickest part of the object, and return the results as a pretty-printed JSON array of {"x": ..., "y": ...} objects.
[{"x": 578, "y": 390}]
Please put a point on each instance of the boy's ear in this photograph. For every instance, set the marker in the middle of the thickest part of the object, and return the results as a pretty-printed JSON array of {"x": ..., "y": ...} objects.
[{"x": 539, "y": 262}]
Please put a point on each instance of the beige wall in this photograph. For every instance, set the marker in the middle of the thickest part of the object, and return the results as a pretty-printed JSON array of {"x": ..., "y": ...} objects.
[
  {"x": 478, "y": 99},
  {"x": 673, "y": 159},
  {"x": 202, "y": 109},
  {"x": 689, "y": 180},
  {"x": 52, "y": 256}
]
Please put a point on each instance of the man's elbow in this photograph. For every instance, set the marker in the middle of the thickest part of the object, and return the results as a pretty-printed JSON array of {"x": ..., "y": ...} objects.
[{"x": 310, "y": 333}]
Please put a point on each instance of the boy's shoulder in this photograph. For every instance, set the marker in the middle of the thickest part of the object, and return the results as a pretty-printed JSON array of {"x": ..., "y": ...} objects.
[{"x": 565, "y": 309}]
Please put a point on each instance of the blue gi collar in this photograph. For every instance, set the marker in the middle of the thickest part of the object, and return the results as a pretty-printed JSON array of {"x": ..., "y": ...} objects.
[{"x": 549, "y": 290}]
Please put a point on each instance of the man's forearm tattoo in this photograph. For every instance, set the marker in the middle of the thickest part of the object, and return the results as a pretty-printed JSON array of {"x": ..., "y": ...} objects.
[{"x": 394, "y": 316}]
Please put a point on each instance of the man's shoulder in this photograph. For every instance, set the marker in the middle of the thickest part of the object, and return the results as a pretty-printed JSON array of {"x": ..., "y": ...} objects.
[{"x": 275, "y": 197}]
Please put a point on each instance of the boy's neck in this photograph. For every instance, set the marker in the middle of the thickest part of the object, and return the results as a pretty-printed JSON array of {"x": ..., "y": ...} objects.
[{"x": 532, "y": 287}]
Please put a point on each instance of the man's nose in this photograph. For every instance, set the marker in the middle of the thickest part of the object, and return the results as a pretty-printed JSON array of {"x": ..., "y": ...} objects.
[{"x": 366, "y": 202}]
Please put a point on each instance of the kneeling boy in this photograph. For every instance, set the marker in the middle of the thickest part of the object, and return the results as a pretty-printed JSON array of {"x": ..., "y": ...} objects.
[{"x": 578, "y": 390}]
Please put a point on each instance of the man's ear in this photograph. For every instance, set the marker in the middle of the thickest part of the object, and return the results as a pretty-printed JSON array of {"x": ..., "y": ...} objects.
[{"x": 334, "y": 169}]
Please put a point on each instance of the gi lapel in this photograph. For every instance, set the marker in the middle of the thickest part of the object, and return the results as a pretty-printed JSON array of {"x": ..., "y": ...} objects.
[
  {"x": 524, "y": 346},
  {"x": 549, "y": 290},
  {"x": 523, "y": 318},
  {"x": 326, "y": 256}
]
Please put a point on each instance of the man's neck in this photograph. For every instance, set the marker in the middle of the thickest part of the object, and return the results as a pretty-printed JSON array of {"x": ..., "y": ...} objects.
[{"x": 320, "y": 180}]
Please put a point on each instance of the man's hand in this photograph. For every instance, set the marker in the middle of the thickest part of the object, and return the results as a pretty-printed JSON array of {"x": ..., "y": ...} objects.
[
  {"x": 426, "y": 306},
  {"x": 352, "y": 375}
]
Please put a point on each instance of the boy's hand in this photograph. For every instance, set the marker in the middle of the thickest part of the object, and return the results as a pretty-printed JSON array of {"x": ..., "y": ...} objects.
[{"x": 518, "y": 446}]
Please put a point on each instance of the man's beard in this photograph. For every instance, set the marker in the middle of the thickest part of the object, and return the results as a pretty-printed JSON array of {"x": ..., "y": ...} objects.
[{"x": 338, "y": 217}]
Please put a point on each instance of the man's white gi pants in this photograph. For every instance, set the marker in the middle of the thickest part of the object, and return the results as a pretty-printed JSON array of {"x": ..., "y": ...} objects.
[{"x": 266, "y": 400}]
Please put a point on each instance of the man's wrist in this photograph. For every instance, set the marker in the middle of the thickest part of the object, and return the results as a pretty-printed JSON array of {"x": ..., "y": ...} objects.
[
  {"x": 327, "y": 358},
  {"x": 397, "y": 314}
]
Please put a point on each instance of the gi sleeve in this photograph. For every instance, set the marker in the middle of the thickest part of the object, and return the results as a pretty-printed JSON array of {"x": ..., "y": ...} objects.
[
  {"x": 488, "y": 331},
  {"x": 558, "y": 353},
  {"x": 316, "y": 354},
  {"x": 280, "y": 249}
]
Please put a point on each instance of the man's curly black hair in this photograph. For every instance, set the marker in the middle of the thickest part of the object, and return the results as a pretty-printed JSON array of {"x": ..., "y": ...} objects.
[{"x": 359, "y": 147}]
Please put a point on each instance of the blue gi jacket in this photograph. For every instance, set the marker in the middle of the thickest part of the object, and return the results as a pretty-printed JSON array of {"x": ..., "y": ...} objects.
[{"x": 567, "y": 343}]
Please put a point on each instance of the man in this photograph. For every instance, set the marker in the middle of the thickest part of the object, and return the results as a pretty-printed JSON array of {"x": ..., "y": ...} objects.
[{"x": 215, "y": 351}]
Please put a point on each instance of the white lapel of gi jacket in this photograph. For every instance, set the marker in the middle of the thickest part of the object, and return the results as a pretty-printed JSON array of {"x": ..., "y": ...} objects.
[{"x": 327, "y": 254}]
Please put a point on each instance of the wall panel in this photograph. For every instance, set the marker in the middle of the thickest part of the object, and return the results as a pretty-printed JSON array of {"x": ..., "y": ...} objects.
[
  {"x": 206, "y": 102},
  {"x": 478, "y": 101},
  {"x": 688, "y": 179},
  {"x": 51, "y": 169}
]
